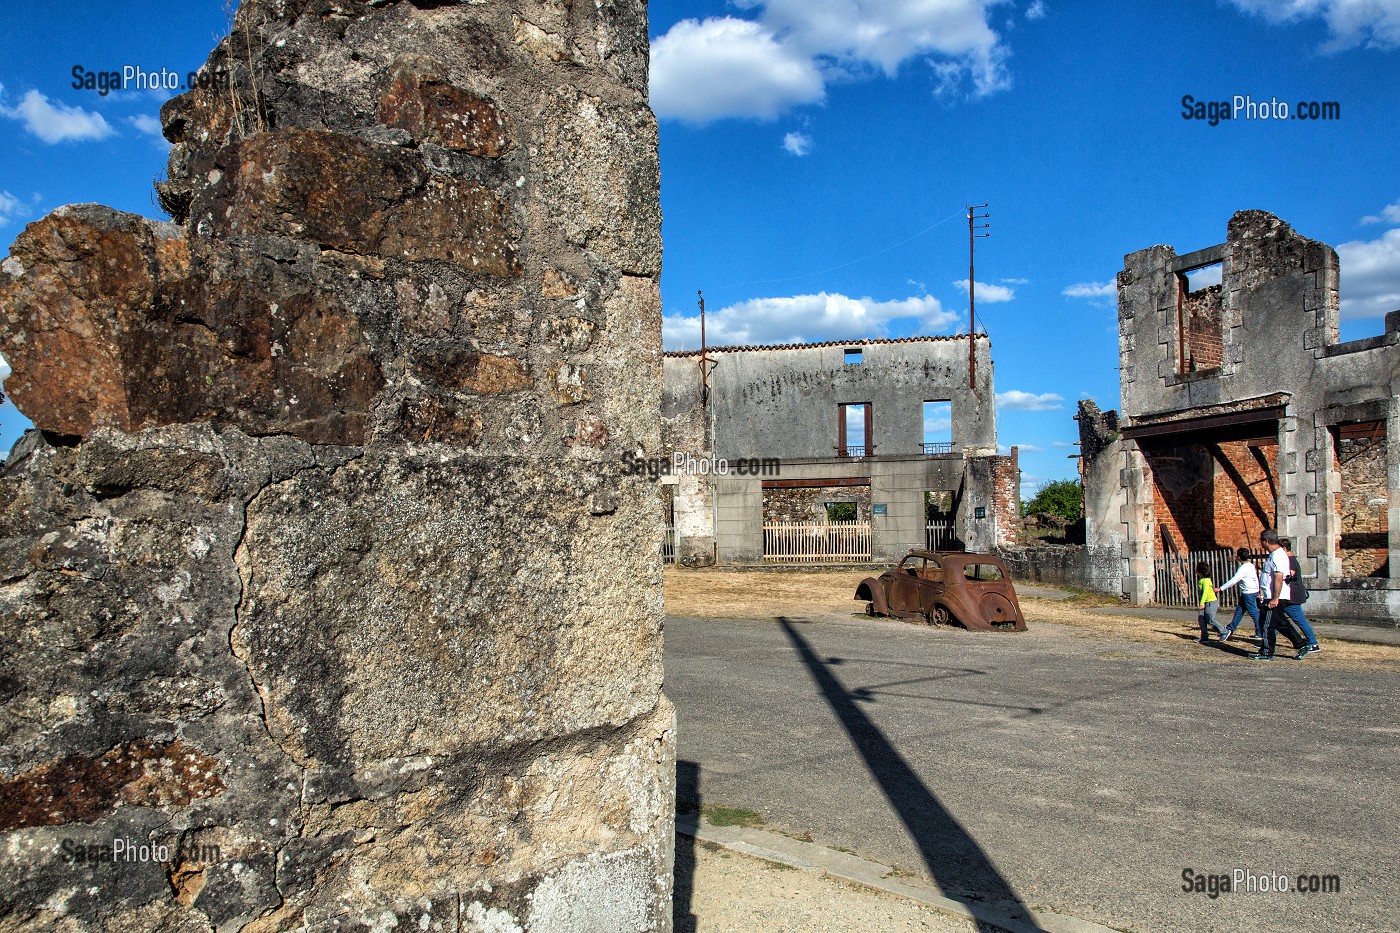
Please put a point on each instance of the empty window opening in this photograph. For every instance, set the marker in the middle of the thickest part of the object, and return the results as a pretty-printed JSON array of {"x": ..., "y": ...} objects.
[
  {"x": 854, "y": 429},
  {"x": 1204, "y": 277},
  {"x": 1200, "y": 318},
  {"x": 1363, "y": 500},
  {"x": 853, "y": 356},
  {"x": 938, "y": 427}
]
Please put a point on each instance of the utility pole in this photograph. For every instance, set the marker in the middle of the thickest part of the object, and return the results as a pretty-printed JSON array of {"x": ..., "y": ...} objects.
[
  {"x": 708, "y": 413},
  {"x": 972, "y": 237},
  {"x": 704, "y": 357}
]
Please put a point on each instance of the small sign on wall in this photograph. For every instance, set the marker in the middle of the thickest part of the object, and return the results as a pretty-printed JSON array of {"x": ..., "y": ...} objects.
[
  {"x": 879, "y": 509},
  {"x": 980, "y": 512}
]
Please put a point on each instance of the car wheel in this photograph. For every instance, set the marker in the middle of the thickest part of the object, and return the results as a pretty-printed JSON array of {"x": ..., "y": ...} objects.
[
  {"x": 940, "y": 616},
  {"x": 870, "y": 609}
]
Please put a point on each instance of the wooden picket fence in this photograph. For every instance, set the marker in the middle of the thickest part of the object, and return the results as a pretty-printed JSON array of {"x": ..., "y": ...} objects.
[
  {"x": 1176, "y": 577},
  {"x": 829, "y": 542},
  {"x": 939, "y": 535}
]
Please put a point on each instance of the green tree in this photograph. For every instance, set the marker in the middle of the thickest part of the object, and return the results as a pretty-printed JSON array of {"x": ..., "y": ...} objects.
[
  {"x": 841, "y": 512},
  {"x": 1062, "y": 497}
]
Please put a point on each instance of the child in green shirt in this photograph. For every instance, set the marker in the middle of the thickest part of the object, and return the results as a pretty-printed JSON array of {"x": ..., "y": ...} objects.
[{"x": 1208, "y": 603}]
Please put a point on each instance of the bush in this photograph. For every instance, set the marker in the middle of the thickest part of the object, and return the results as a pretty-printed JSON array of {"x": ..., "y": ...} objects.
[{"x": 1062, "y": 497}]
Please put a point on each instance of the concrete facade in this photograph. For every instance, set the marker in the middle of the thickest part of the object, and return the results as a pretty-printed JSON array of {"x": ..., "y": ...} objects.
[
  {"x": 784, "y": 403},
  {"x": 1241, "y": 409}
]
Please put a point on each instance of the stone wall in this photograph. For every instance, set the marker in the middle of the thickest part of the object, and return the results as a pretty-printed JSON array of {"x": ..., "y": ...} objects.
[
  {"x": 809, "y": 505},
  {"x": 321, "y": 581},
  {"x": 1285, "y": 386},
  {"x": 1072, "y": 565},
  {"x": 1361, "y": 505}
]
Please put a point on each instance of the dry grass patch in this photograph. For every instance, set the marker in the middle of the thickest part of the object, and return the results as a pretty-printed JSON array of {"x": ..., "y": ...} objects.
[{"x": 761, "y": 594}]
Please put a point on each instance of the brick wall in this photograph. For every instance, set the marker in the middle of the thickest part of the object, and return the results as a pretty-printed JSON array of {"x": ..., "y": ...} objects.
[
  {"x": 1006, "y": 498},
  {"x": 1202, "y": 316},
  {"x": 1217, "y": 495}
]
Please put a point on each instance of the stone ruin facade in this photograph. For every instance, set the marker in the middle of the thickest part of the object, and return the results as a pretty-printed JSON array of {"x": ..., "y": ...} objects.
[
  {"x": 324, "y": 604},
  {"x": 787, "y": 405},
  {"x": 1243, "y": 410}
]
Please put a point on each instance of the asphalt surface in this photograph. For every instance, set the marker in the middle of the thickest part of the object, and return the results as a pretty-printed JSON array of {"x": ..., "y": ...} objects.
[{"x": 1051, "y": 770}]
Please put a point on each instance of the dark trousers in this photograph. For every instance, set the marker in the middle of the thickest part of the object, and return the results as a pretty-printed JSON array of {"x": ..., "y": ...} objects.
[{"x": 1275, "y": 621}]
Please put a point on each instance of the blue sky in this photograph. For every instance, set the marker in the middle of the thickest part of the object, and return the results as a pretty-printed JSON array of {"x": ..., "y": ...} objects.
[{"x": 817, "y": 156}]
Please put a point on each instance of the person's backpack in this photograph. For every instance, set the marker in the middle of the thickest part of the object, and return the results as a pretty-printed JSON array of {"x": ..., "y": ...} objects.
[{"x": 1297, "y": 589}]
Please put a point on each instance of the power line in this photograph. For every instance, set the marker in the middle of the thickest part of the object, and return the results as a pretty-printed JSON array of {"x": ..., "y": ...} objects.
[{"x": 844, "y": 265}]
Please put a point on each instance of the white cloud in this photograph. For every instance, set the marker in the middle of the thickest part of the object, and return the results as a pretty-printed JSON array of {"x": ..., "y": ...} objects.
[
  {"x": 1015, "y": 281},
  {"x": 799, "y": 144},
  {"x": 11, "y": 207},
  {"x": 1062, "y": 444},
  {"x": 1091, "y": 290},
  {"x": 727, "y": 67},
  {"x": 147, "y": 124},
  {"x": 1016, "y": 400},
  {"x": 1370, "y": 271},
  {"x": 1036, "y": 10},
  {"x": 4, "y": 369},
  {"x": 991, "y": 294},
  {"x": 704, "y": 70},
  {"x": 1390, "y": 214},
  {"x": 56, "y": 122},
  {"x": 803, "y": 319},
  {"x": 1373, "y": 23},
  {"x": 1005, "y": 449}
]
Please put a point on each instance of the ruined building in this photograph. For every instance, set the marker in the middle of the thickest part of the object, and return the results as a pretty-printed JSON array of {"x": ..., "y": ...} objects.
[
  {"x": 837, "y": 423},
  {"x": 1241, "y": 410},
  {"x": 324, "y": 603}
]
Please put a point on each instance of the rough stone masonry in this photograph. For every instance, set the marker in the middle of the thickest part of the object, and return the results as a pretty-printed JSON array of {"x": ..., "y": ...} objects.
[{"x": 324, "y": 604}]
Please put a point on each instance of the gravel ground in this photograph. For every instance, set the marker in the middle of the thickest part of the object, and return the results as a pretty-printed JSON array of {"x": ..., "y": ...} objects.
[{"x": 718, "y": 891}]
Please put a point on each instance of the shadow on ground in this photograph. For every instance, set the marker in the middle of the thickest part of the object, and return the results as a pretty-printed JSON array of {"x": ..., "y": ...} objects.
[
  {"x": 957, "y": 864},
  {"x": 687, "y": 801}
]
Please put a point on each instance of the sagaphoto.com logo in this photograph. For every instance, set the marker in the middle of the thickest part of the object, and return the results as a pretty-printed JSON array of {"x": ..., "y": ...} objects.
[
  {"x": 1244, "y": 107},
  {"x": 104, "y": 81}
]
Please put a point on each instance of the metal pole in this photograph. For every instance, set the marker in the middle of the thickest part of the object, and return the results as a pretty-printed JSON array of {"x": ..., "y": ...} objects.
[
  {"x": 971, "y": 304},
  {"x": 708, "y": 413},
  {"x": 972, "y": 237}
]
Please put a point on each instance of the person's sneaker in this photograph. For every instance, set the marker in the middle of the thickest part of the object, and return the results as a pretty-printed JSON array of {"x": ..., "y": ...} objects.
[
  {"x": 1304, "y": 651},
  {"x": 1261, "y": 656},
  {"x": 1225, "y": 635},
  {"x": 1202, "y": 640}
]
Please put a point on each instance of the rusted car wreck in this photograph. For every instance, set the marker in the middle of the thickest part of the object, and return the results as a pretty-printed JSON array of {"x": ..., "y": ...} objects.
[{"x": 947, "y": 588}]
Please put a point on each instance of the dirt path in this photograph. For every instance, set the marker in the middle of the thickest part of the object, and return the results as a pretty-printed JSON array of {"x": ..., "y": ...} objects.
[
  {"x": 826, "y": 595},
  {"x": 719, "y": 891}
]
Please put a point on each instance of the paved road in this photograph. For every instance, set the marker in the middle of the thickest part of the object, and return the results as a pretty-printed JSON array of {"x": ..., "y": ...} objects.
[{"x": 1053, "y": 770}]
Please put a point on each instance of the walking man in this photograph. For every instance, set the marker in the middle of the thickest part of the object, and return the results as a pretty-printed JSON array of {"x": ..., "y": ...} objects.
[{"x": 1272, "y": 591}]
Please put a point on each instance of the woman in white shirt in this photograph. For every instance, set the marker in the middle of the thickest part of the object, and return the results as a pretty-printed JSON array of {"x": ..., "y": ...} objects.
[{"x": 1247, "y": 577}]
